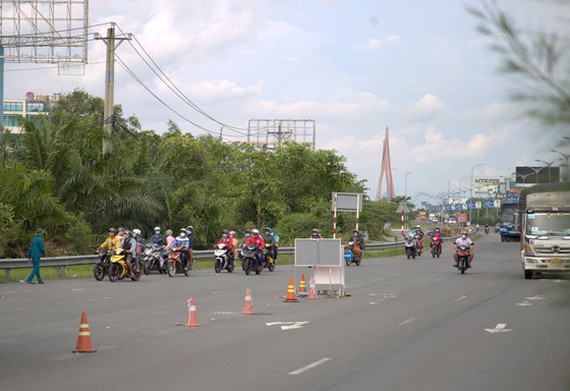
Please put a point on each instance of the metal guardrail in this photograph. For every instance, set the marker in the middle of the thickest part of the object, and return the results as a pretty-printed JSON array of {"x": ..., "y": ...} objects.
[{"x": 73, "y": 260}]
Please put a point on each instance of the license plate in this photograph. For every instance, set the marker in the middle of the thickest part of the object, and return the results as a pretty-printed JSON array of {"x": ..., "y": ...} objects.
[{"x": 556, "y": 261}]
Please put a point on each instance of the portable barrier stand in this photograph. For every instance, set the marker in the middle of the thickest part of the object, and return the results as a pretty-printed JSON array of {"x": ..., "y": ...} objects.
[{"x": 325, "y": 257}]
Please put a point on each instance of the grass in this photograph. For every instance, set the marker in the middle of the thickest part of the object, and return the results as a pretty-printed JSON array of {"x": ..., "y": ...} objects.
[{"x": 86, "y": 271}]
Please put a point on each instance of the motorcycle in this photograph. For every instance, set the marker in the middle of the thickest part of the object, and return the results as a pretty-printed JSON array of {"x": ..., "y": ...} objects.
[
  {"x": 268, "y": 257},
  {"x": 463, "y": 258},
  {"x": 175, "y": 264},
  {"x": 411, "y": 246},
  {"x": 152, "y": 258},
  {"x": 420, "y": 244},
  {"x": 435, "y": 245},
  {"x": 352, "y": 253},
  {"x": 249, "y": 257},
  {"x": 101, "y": 268},
  {"x": 223, "y": 258},
  {"x": 118, "y": 268}
]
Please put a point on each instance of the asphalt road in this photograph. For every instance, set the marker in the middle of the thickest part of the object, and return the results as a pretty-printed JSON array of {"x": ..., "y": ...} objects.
[{"x": 409, "y": 325}]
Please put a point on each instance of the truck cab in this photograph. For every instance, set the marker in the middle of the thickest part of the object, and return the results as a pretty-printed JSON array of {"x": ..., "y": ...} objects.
[{"x": 545, "y": 224}]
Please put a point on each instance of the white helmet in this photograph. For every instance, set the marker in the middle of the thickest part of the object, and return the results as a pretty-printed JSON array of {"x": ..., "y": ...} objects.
[
  {"x": 157, "y": 228},
  {"x": 418, "y": 226},
  {"x": 255, "y": 231},
  {"x": 136, "y": 232}
]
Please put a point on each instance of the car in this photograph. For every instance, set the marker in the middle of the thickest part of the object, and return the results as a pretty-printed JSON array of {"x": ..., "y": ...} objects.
[
  {"x": 497, "y": 227},
  {"x": 452, "y": 221}
]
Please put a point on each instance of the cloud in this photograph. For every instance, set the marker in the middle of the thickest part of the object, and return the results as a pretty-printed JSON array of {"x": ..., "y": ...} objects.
[
  {"x": 375, "y": 43},
  {"x": 429, "y": 106}
]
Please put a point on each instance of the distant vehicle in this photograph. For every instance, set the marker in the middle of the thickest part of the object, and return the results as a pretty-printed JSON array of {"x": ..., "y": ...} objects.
[
  {"x": 497, "y": 227},
  {"x": 452, "y": 220},
  {"x": 545, "y": 222},
  {"x": 509, "y": 219}
]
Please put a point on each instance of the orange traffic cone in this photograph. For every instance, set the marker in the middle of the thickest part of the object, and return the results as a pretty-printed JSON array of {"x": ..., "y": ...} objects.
[
  {"x": 84, "y": 337},
  {"x": 248, "y": 305},
  {"x": 291, "y": 298},
  {"x": 312, "y": 294},
  {"x": 302, "y": 286},
  {"x": 192, "y": 320}
]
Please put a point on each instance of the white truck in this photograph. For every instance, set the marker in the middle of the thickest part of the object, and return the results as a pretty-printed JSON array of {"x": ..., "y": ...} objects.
[{"x": 545, "y": 227}]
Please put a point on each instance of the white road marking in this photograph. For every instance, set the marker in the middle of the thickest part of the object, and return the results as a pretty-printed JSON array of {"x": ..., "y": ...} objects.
[
  {"x": 460, "y": 298},
  {"x": 499, "y": 328},
  {"x": 407, "y": 321},
  {"x": 524, "y": 303},
  {"x": 288, "y": 325},
  {"x": 310, "y": 366},
  {"x": 537, "y": 297},
  {"x": 372, "y": 302}
]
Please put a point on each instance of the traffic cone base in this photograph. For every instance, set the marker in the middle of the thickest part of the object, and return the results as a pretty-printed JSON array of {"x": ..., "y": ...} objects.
[
  {"x": 248, "y": 305},
  {"x": 192, "y": 320},
  {"x": 84, "y": 337},
  {"x": 291, "y": 298},
  {"x": 302, "y": 286}
]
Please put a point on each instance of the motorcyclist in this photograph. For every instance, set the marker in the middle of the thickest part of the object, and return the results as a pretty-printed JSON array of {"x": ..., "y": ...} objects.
[
  {"x": 129, "y": 245},
  {"x": 269, "y": 239},
  {"x": 247, "y": 235},
  {"x": 463, "y": 240},
  {"x": 190, "y": 234},
  {"x": 486, "y": 229},
  {"x": 137, "y": 234},
  {"x": 256, "y": 239},
  {"x": 358, "y": 241},
  {"x": 157, "y": 238},
  {"x": 419, "y": 237},
  {"x": 315, "y": 234},
  {"x": 227, "y": 240},
  {"x": 168, "y": 247},
  {"x": 112, "y": 242},
  {"x": 437, "y": 237},
  {"x": 182, "y": 243},
  {"x": 275, "y": 244},
  {"x": 121, "y": 234},
  {"x": 235, "y": 244}
]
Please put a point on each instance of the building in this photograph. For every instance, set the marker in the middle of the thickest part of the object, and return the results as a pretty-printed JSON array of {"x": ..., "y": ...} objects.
[{"x": 31, "y": 107}]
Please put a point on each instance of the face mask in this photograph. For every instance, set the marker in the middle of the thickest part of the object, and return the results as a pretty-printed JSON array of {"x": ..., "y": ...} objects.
[
  {"x": 189, "y": 232},
  {"x": 182, "y": 234},
  {"x": 463, "y": 237},
  {"x": 157, "y": 232},
  {"x": 247, "y": 235},
  {"x": 224, "y": 236}
]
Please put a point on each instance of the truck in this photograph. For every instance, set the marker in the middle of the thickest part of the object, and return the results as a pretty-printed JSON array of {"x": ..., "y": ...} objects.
[
  {"x": 509, "y": 222},
  {"x": 544, "y": 212}
]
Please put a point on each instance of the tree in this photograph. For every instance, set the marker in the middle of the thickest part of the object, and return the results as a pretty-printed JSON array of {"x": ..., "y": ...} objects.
[{"x": 538, "y": 61}]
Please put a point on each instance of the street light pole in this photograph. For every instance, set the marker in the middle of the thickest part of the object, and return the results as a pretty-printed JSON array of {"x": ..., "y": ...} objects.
[
  {"x": 406, "y": 185},
  {"x": 471, "y": 188},
  {"x": 548, "y": 164},
  {"x": 566, "y": 157}
]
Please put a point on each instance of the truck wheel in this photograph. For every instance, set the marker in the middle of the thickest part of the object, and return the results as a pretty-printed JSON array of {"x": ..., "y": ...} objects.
[{"x": 528, "y": 274}]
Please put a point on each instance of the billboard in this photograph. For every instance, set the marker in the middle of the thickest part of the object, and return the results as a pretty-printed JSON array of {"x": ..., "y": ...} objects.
[{"x": 489, "y": 186}]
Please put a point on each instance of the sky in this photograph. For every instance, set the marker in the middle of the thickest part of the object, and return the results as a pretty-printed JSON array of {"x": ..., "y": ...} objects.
[{"x": 355, "y": 67}]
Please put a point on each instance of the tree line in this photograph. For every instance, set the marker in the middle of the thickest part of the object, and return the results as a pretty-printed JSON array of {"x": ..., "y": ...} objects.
[{"x": 55, "y": 176}]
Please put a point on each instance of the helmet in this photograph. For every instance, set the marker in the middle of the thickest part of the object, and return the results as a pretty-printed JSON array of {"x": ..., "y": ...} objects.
[
  {"x": 314, "y": 230},
  {"x": 157, "y": 228},
  {"x": 168, "y": 232},
  {"x": 255, "y": 231},
  {"x": 225, "y": 231},
  {"x": 121, "y": 229},
  {"x": 418, "y": 226},
  {"x": 267, "y": 229},
  {"x": 128, "y": 233},
  {"x": 190, "y": 228},
  {"x": 112, "y": 229},
  {"x": 232, "y": 233},
  {"x": 356, "y": 231},
  {"x": 183, "y": 230},
  {"x": 137, "y": 232}
]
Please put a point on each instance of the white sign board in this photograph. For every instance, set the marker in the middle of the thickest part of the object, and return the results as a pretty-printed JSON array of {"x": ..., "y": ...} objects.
[
  {"x": 347, "y": 202},
  {"x": 323, "y": 252}
]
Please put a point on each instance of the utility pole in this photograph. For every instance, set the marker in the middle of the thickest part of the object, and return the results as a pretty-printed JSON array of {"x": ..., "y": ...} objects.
[{"x": 109, "y": 111}]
